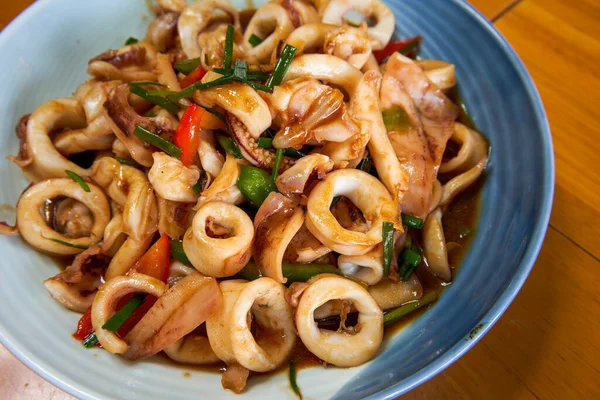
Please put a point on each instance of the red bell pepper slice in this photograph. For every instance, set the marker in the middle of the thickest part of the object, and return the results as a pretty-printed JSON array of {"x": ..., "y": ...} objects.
[
  {"x": 187, "y": 135},
  {"x": 193, "y": 77},
  {"x": 156, "y": 261},
  {"x": 84, "y": 326},
  {"x": 405, "y": 47}
]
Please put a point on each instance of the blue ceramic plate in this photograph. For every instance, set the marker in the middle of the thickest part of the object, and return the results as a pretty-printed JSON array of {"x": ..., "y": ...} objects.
[{"x": 44, "y": 56}]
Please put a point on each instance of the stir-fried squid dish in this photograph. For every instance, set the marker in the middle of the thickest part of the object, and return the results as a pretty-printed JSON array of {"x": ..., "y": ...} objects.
[{"x": 230, "y": 190}]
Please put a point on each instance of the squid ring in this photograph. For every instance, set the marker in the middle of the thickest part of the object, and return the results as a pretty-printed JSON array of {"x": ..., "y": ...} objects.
[
  {"x": 33, "y": 226},
  {"x": 367, "y": 267},
  {"x": 216, "y": 256},
  {"x": 338, "y": 348},
  {"x": 261, "y": 25},
  {"x": 383, "y": 30},
  {"x": 367, "y": 193},
  {"x": 229, "y": 331},
  {"x": 106, "y": 301},
  {"x": 194, "y": 20},
  {"x": 45, "y": 161}
]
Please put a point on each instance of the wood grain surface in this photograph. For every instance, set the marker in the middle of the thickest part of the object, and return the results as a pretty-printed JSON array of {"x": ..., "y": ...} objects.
[{"x": 547, "y": 345}]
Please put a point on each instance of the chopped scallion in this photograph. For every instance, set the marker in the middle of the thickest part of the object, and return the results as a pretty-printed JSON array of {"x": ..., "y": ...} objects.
[
  {"x": 187, "y": 66},
  {"x": 90, "y": 341},
  {"x": 412, "y": 222},
  {"x": 127, "y": 161},
  {"x": 293, "y": 383},
  {"x": 240, "y": 69},
  {"x": 278, "y": 157},
  {"x": 178, "y": 253},
  {"x": 137, "y": 89},
  {"x": 79, "y": 180},
  {"x": 229, "y": 146},
  {"x": 395, "y": 315},
  {"x": 388, "y": 246},
  {"x": 77, "y": 246},
  {"x": 155, "y": 140},
  {"x": 265, "y": 143},
  {"x": 228, "y": 52},
  {"x": 254, "y": 40},
  {"x": 131, "y": 40},
  {"x": 366, "y": 164},
  {"x": 335, "y": 200},
  {"x": 198, "y": 186},
  {"x": 281, "y": 66},
  {"x": 290, "y": 152},
  {"x": 412, "y": 257},
  {"x": 118, "y": 319}
]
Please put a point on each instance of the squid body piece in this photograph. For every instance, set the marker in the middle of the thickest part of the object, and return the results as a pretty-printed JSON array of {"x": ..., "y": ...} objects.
[
  {"x": 216, "y": 256},
  {"x": 262, "y": 302},
  {"x": 341, "y": 349}
]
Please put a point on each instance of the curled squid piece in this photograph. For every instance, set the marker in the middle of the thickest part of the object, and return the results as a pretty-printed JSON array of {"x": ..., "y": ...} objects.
[
  {"x": 440, "y": 73},
  {"x": 162, "y": 31},
  {"x": 367, "y": 267},
  {"x": 75, "y": 287},
  {"x": 276, "y": 223},
  {"x": 260, "y": 303},
  {"x": 389, "y": 294},
  {"x": 473, "y": 148},
  {"x": 38, "y": 158},
  {"x": 126, "y": 256},
  {"x": 123, "y": 119},
  {"x": 129, "y": 63},
  {"x": 380, "y": 33},
  {"x": 327, "y": 68},
  {"x": 255, "y": 155},
  {"x": 107, "y": 298},
  {"x": 272, "y": 24},
  {"x": 238, "y": 99},
  {"x": 176, "y": 313},
  {"x": 346, "y": 42},
  {"x": 305, "y": 248},
  {"x": 342, "y": 349},
  {"x": 295, "y": 179},
  {"x": 367, "y": 110},
  {"x": 165, "y": 73},
  {"x": 224, "y": 187},
  {"x": 172, "y": 180},
  {"x": 434, "y": 246},
  {"x": 309, "y": 112},
  {"x": 211, "y": 160},
  {"x": 194, "y": 348},
  {"x": 220, "y": 239},
  {"x": 367, "y": 193},
  {"x": 39, "y": 233},
  {"x": 174, "y": 218},
  {"x": 98, "y": 134},
  {"x": 195, "y": 19},
  {"x": 129, "y": 188},
  {"x": 460, "y": 183}
]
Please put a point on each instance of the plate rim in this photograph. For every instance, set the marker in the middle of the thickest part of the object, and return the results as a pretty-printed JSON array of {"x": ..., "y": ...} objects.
[
  {"x": 498, "y": 309},
  {"x": 60, "y": 380}
]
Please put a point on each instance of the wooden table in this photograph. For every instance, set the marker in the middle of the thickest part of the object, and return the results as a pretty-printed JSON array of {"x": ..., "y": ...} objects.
[{"x": 547, "y": 345}]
